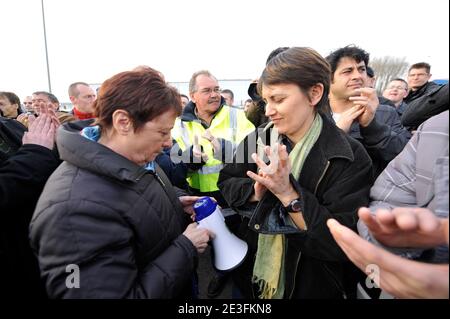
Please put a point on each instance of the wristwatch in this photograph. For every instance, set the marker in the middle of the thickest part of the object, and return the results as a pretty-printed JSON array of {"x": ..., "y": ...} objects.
[{"x": 294, "y": 206}]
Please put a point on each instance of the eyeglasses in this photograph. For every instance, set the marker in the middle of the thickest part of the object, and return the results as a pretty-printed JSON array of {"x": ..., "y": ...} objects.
[
  {"x": 398, "y": 87},
  {"x": 209, "y": 91}
]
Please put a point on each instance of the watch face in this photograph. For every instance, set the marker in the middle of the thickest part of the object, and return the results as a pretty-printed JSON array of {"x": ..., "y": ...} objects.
[{"x": 296, "y": 206}]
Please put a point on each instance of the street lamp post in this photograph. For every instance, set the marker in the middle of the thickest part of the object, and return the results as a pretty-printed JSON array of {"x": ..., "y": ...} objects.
[{"x": 46, "y": 51}]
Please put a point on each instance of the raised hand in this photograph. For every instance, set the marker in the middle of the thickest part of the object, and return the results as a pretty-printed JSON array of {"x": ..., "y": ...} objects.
[
  {"x": 42, "y": 130},
  {"x": 368, "y": 99},
  {"x": 214, "y": 141},
  {"x": 275, "y": 176},
  {"x": 348, "y": 117},
  {"x": 197, "y": 150}
]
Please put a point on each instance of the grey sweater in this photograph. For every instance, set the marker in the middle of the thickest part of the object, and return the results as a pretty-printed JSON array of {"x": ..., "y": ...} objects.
[{"x": 417, "y": 177}]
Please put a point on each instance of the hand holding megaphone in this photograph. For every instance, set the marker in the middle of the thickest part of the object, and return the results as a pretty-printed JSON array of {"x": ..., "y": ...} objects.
[
  {"x": 229, "y": 251},
  {"x": 198, "y": 236}
]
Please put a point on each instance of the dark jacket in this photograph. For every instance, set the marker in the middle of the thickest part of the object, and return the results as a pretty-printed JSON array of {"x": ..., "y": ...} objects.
[
  {"x": 401, "y": 109},
  {"x": 385, "y": 101},
  {"x": 118, "y": 222},
  {"x": 423, "y": 90},
  {"x": 384, "y": 138},
  {"x": 433, "y": 102},
  {"x": 334, "y": 182},
  {"x": 11, "y": 133},
  {"x": 22, "y": 178},
  {"x": 177, "y": 173}
]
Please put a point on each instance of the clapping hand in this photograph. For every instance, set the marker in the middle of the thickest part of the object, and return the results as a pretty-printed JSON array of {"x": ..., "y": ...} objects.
[
  {"x": 368, "y": 100},
  {"x": 197, "y": 150},
  {"x": 42, "y": 130},
  {"x": 275, "y": 176}
]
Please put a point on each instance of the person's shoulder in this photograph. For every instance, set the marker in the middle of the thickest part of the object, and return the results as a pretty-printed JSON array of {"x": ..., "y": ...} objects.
[
  {"x": 12, "y": 125},
  {"x": 386, "y": 113},
  {"x": 439, "y": 122}
]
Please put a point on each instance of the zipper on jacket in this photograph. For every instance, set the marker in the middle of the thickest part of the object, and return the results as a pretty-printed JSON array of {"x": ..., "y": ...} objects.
[
  {"x": 138, "y": 178},
  {"x": 321, "y": 177},
  {"x": 295, "y": 274},
  {"x": 154, "y": 174},
  {"x": 160, "y": 180}
]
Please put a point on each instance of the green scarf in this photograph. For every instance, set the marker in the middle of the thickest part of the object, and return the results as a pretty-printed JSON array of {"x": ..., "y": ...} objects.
[{"x": 268, "y": 271}]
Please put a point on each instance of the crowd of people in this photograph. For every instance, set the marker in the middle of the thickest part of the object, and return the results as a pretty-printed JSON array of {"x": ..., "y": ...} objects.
[{"x": 338, "y": 191}]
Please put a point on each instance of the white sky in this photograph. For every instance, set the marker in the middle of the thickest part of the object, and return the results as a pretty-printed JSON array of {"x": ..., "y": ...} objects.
[{"x": 91, "y": 40}]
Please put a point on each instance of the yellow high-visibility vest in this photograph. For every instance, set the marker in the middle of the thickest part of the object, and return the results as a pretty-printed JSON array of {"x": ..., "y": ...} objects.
[{"x": 230, "y": 124}]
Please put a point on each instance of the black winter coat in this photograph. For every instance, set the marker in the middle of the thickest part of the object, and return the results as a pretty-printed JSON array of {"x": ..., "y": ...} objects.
[
  {"x": 11, "y": 133},
  {"x": 120, "y": 224},
  {"x": 334, "y": 182},
  {"x": 422, "y": 91},
  {"x": 431, "y": 103},
  {"x": 23, "y": 173}
]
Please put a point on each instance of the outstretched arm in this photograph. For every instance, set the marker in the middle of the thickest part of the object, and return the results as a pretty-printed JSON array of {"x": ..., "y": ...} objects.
[
  {"x": 400, "y": 277},
  {"x": 405, "y": 227}
]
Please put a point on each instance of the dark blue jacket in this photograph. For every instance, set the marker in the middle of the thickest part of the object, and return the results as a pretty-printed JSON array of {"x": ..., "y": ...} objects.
[{"x": 384, "y": 138}]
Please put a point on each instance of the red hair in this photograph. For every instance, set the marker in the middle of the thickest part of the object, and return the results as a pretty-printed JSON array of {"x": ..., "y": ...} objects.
[{"x": 142, "y": 92}]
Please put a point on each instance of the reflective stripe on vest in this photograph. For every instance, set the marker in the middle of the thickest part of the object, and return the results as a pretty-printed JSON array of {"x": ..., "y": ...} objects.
[
  {"x": 233, "y": 123},
  {"x": 185, "y": 135},
  {"x": 210, "y": 169},
  {"x": 205, "y": 178}
]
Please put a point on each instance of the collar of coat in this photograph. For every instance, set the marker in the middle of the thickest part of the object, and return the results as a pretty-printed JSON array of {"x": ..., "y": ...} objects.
[{"x": 92, "y": 156}]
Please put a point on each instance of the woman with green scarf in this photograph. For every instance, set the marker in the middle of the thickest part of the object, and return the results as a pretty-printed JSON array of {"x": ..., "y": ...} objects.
[{"x": 288, "y": 178}]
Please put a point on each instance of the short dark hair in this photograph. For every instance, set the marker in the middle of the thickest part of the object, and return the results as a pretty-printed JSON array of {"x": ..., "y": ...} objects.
[
  {"x": 301, "y": 66},
  {"x": 420, "y": 65},
  {"x": 401, "y": 80},
  {"x": 50, "y": 96},
  {"x": 143, "y": 93},
  {"x": 275, "y": 52},
  {"x": 12, "y": 97},
  {"x": 349, "y": 51},
  {"x": 370, "y": 72}
]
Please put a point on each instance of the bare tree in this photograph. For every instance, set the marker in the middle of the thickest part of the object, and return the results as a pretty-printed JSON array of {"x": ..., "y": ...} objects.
[{"x": 387, "y": 68}]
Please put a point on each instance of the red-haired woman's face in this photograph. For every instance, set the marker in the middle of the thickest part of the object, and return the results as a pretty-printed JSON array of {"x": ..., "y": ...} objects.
[{"x": 155, "y": 135}]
